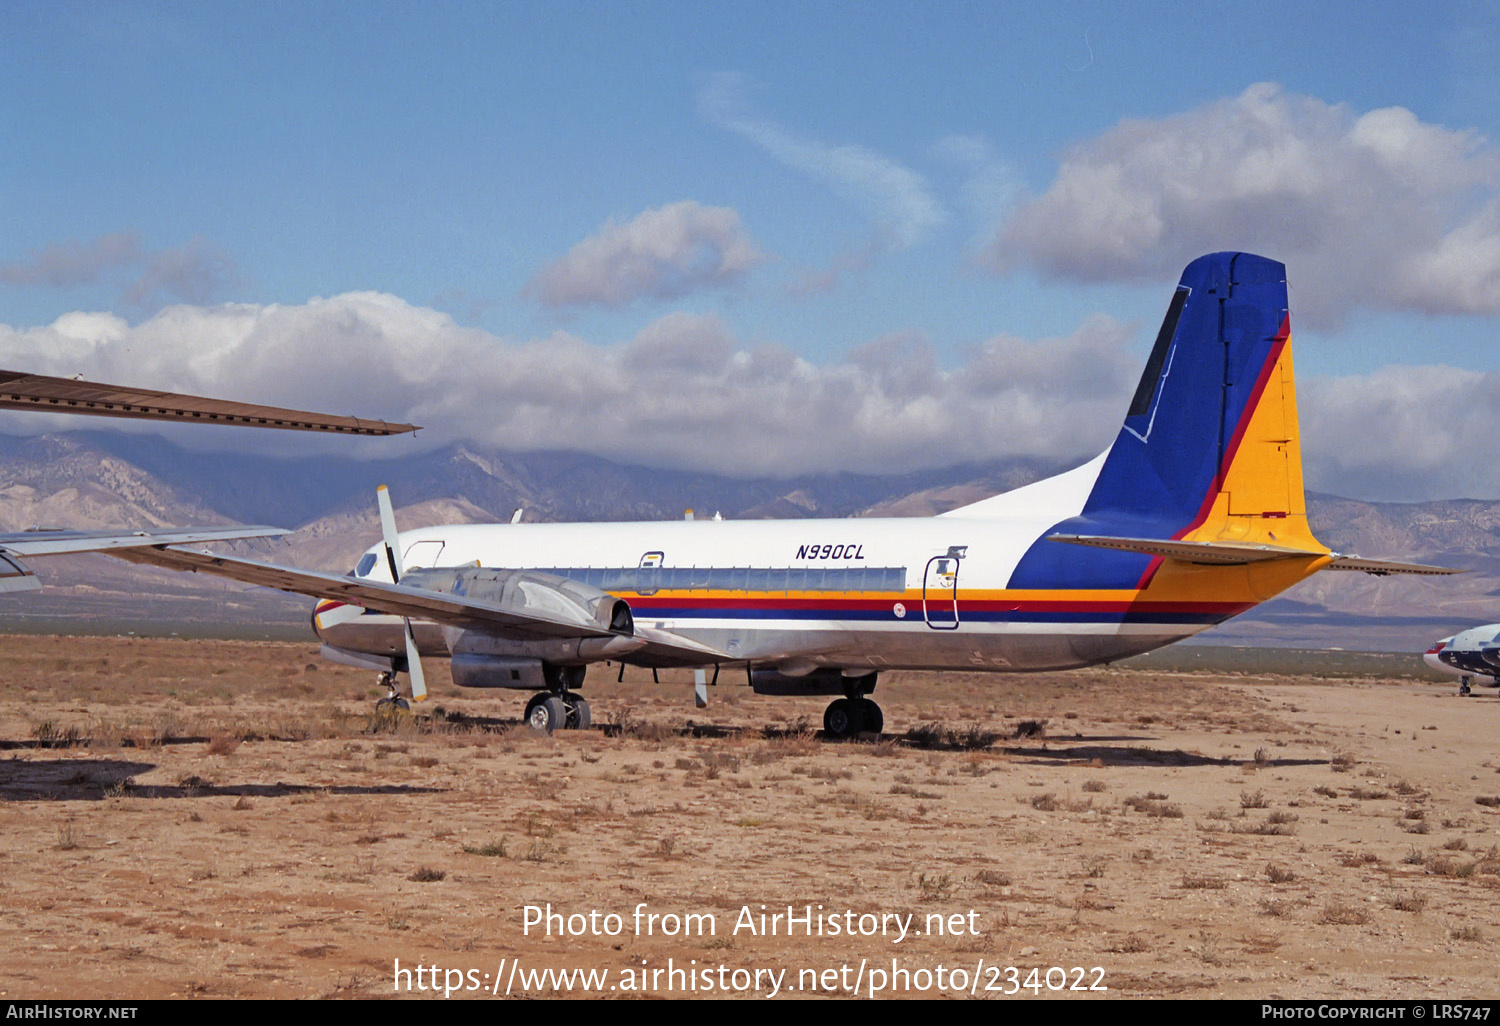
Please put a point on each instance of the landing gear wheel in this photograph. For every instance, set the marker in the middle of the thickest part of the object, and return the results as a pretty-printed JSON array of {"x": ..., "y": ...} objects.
[
  {"x": 843, "y": 718},
  {"x": 546, "y": 713},
  {"x": 1463, "y": 686},
  {"x": 578, "y": 716},
  {"x": 874, "y": 719},
  {"x": 393, "y": 700}
]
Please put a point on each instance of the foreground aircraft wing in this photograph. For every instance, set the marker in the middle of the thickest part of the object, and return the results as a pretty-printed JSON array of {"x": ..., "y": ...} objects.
[
  {"x": 1227, "y": 553},
  {"x": 422, "y": 603},
  {"x": 22, "y": 391}
]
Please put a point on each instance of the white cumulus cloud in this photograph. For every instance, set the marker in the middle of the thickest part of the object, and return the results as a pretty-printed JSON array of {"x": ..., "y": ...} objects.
[
  {"x": 664, "y": 253},
  {"x": 1378, "y": 209},
  {"x": 684, "y": 392},
  {"x": 1402, "y": 433}
]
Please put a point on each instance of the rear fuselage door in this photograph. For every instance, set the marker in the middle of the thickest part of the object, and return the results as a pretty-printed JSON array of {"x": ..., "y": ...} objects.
[{"x": 940, "y": 590}]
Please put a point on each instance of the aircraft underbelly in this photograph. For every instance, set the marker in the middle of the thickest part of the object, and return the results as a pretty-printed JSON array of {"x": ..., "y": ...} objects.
[{"x": 1012, "y": 647}]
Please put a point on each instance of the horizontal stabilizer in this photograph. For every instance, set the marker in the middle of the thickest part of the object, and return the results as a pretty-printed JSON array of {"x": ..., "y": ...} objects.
[
  {"x": 1211, "y": 552},
  {"x": 1219, "y": 553},
  {"x": 1381, "y": 567}
]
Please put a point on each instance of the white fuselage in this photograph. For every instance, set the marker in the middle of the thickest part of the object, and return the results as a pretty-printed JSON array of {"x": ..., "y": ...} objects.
[{"x": 871, "y": 593}]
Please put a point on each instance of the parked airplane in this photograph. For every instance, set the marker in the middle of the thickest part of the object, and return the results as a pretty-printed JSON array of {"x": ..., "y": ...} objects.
[
  {"x": 1469, "y": 654},
  {"x": 1193, "y": 515}
]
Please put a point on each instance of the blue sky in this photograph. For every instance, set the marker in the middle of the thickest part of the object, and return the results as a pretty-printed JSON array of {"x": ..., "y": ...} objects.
[{"x": 837, "y": 197}]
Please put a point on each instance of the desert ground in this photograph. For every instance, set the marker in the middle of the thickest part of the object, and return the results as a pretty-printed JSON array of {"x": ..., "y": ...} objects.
[{"x": 231, "y": 818}]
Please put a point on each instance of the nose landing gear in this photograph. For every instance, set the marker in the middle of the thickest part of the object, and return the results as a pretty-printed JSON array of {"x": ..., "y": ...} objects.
[
  {"x": 393, "y": 700},
  {"x": 854, "y": 714}
]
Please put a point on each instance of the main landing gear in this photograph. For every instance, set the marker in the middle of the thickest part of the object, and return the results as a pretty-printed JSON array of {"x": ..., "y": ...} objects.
[
  {"x": 558, "y": 708},
  {"x": 854, "y": 714},
  {"x": 393, "y": 700}
]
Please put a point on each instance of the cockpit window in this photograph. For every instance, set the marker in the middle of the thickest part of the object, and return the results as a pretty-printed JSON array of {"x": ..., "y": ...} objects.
[{"x": 366, "y": 564}]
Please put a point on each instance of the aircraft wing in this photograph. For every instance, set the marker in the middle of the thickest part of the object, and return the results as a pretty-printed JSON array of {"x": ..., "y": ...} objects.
[
  {"x": 61, "y": 542},
  {"x": 16, "y": 576},
  {"x": 409, "y": 601},
  {"x": 1227, "y": 553},
  {"x": 22, "y": 391}
]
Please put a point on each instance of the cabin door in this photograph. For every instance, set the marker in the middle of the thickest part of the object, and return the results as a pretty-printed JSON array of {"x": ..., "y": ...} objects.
[{"x": 940, "y": 590}]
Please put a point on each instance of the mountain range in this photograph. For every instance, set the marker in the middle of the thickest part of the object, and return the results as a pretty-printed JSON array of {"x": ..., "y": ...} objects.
[{"x": 102, "y": 479}]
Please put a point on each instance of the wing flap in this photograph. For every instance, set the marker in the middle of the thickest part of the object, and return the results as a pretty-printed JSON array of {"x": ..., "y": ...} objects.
[{"x": 666, "y": 646}]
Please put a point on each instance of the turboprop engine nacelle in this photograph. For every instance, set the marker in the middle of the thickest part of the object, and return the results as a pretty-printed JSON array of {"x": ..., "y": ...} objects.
[
  {"x": 488, "y": 671},
  {"x": 484, "y": 659},
  {"x": 531, "y": 593}
]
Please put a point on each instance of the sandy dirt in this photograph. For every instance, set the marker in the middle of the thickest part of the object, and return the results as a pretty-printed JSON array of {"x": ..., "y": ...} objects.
[{"x": 229, "y": 818}]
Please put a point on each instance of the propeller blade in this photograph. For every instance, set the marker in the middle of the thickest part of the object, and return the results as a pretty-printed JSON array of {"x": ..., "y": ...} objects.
[
  {"x": 414, "y": 666},
  {"x": 388, "y": 533}
]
